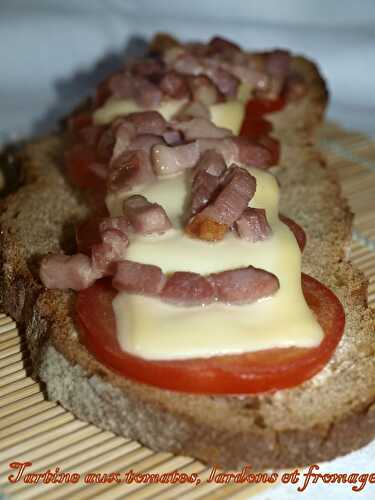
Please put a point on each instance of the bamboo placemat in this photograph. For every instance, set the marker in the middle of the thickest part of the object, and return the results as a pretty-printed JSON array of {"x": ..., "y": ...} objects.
[{"x": 36, "y": 430}]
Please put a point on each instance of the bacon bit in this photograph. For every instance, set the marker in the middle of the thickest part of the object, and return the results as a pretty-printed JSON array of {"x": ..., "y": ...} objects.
[
  {"x": 219, "y": 44},
  {"x": 151, "y": 68},
  {"x": 206, "y": 229},
  {"x": 65, "y": 272},
  {"x": 226, "y": 82},
  {"x": 168, "y": 160},
  {"x": 134, "y": 277},
  {"x": 147, "y": 122},
  {"x": 216, "y": 218},
  {"x": 111, "y": 250},
  {"x": 254, "y": 153},
  {"x": 173, "y": 138},
  {"x": 129, "y": 169},
  {"x": 145, "y": 217},
  {"x": 174, "y": 85},
  {"x": 187, "y": 289},
  {"x": 253, "y": 225},
  {"x": 207, "y": 178},
  {"x": 127, "y": 86},
  {"x": 201, "y": 128},
  {"x": 243, "y": 286}
]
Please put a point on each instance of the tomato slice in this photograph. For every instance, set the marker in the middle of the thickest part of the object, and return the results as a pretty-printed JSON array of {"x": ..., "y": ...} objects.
[
  {"x": 78, "y": 161},
  {"x": 296, "y": 229},
  {"x": 255, "y": 127},
  {"x": 260, "y": 107},
  {"x": 88, "y": 234},
  {"x": 251, "y": 373},
  {"x": 79, "y": 121}
]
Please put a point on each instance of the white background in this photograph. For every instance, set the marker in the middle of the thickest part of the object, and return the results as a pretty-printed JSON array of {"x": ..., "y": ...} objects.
[{"x": 52, "y": 52}]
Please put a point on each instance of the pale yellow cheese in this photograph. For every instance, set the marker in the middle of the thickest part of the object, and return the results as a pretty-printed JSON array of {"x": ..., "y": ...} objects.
[
  {"x": 151, "y": 329},
  {"x": 155, "y": 330},
  {"x": 228, "y": 114},
  {"x": 224, "y": 114},
  {"x": 113, "y": 108}
]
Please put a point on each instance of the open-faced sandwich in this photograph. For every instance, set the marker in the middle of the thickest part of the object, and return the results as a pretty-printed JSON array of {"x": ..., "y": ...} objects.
[{"x": 177, "y": 259}]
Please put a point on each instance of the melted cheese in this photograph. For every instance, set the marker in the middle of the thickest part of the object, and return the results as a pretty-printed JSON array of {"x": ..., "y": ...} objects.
[
  {"x": 114, "y": 107},
  {"x": 155, "y": 330},
  {"x": 224, "y": 114},
  {"x": 151, "y": 329}
]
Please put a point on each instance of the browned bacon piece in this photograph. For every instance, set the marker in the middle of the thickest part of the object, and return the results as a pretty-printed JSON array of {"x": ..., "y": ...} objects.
[
  {"x": 253, "y": 225},
  {"x": 215, "y": 219},
  {"x": 150, "y": 68},
  {"x": 147, "y": 122},
  {"x": 219, "y": 44},
  {"x": 188, "y": 64},
  {"x": 169, "y": 160},
  {"x": 201, "y": 128},
  {"x": 127, "y": 86},
  {"x": 64, "y": 271},
  {"x": 129, "y": 169},
  {"x": 243, "y": 286},
  {"x": 225, "y": 147},
  {"x": 206, "y": 180},
  {"x": 187, "y": 289},
  {"x": 134, "y": 277},
  {"x": 254, "y": 153},
  {"x": 145, "y": 217},
  {"x": 111, "y": 250},
  {"x": 173, "y": 137},
  {"x": 174, "y": 85}
]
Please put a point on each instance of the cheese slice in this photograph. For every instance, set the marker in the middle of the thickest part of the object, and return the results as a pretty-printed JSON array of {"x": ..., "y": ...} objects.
[
  {"x": 114, "y": 107},
  {"x": 154, "y": 330},
  {"x": 227, "y": 114}
]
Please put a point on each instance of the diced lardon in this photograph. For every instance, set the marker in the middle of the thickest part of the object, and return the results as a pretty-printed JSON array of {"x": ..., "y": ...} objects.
[
  {"x": 207, "y": 179},
  {"x": 134, "y": 277},
  {"x": 243, "y": 286},
  {"x": 145, "y": 217},
  {"x": 65, "y": 272},
  {"x": 215, "y": 219},
  {"x": 253, "y": 225}
]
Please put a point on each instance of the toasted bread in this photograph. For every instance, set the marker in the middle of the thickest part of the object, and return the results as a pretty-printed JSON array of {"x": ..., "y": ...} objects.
[{"x": 331, "y": 414}]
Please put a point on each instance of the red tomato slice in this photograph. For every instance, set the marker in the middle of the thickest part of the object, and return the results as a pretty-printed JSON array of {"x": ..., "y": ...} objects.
[
  {"x": 260, "y": 107},
  {"x": 88, "y": 234},
  {"x": 79, "y": 121},
  {"x": 251, "y": 373},
  {"x": 255, "y": 127},
  {"x": 296, "y": 229},
  {"x": 102, "y": 92},
  {"x": 78, "y": 160}
]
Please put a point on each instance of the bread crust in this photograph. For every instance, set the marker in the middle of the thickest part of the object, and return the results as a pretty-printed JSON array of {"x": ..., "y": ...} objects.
[{"x": 329, "y": 415}]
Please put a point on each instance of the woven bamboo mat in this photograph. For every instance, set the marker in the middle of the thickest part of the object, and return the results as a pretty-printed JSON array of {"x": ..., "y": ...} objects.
[{"x": 33, "y": 429}]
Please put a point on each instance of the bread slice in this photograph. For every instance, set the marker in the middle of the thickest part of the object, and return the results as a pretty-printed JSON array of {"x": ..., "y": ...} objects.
[{"x": 331, "y": 414}]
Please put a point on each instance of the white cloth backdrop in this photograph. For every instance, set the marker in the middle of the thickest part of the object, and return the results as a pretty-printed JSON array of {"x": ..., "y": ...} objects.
[{"x": 51, "y": 52}]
